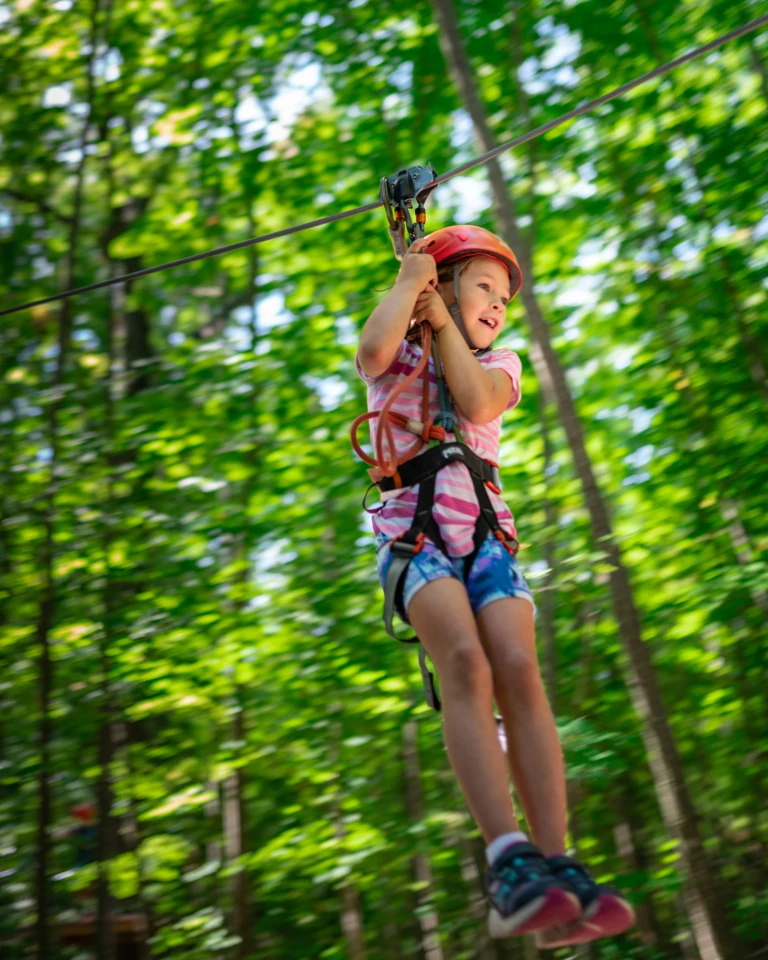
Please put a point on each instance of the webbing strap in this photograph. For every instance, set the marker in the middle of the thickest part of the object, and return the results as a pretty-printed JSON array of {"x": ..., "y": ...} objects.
[
  {"x": 486, "y": 523},
  {"x": 445, "y": 418},
  {"x": 428, "y": 463},
  {"x": 422, "y": 518},
  {"x": 487, "y": 511},
  {"x": 395, "y": 574},
  {"x": 455, "y": 311},
  {"x": 430, "y": 691},
  {"x": 404, "y": 548},
  {"x": 396, "y": 571}
]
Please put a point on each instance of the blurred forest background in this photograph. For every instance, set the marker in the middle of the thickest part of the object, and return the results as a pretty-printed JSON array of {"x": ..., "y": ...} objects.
[{"x": 205, "y": 734}]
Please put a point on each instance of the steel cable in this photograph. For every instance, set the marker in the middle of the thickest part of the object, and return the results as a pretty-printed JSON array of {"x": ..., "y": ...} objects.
[{"x": 344, "y": 214}]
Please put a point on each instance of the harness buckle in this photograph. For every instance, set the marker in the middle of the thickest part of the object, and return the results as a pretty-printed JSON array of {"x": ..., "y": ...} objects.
[
  {"x": 405, "y": 548},
  {"x": 511, "y": 545}
]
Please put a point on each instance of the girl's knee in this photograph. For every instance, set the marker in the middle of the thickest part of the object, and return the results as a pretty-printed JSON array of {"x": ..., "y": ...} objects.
[
  {"x": 466, "y": 671},
  {"x": 516, "y": 673}
]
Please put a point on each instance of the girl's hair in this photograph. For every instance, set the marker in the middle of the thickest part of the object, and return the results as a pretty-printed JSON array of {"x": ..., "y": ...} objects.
[{"x": 444, "y": 275}]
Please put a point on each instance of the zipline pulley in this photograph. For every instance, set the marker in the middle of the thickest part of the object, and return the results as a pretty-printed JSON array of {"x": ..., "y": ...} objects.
[{"x": 398, "y": 194}]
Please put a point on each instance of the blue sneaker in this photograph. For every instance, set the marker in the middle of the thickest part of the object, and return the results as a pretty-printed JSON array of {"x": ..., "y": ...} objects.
[
  {"x": 605, "y": 912},
  {"x": 525, "y": 896}
]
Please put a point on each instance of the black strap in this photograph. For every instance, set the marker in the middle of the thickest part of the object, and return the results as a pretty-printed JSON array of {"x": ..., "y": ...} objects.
[
  {"x": 423, "y": 470},
  {"x": 487, "y": 522},
  {"x": 428, "y": 678},
  {"x": 431, "y": 461},
  {"x": 423, "y": 523}
]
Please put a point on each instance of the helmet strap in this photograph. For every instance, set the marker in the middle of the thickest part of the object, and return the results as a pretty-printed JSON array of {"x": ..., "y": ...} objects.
[
  {"x": 455, "y": 310},
  {"x": 457, "y": 283}
]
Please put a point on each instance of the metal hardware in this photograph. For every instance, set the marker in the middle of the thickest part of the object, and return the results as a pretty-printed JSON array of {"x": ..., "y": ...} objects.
[{"x": 398, "y": 194}]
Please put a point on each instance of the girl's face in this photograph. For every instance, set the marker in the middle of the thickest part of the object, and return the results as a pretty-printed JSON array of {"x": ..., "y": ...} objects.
[{"x": 484, "y": 293}]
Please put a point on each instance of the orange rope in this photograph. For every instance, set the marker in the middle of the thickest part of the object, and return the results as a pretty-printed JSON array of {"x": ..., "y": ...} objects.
[{"x": 388, "y": 466}]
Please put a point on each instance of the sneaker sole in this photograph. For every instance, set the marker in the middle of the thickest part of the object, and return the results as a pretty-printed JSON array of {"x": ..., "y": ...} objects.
[
  {"x": 554, "y": 908},
  {"x": 608, "y": 917}
]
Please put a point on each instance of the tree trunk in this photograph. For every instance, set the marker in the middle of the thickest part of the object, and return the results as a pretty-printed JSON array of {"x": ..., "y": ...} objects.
[
  {"x": 45, "y": 671},
  {"x": 235, "y": 843},
  {"x": 45, "y": 615},
  {"x": 422, "y": 870},
  {"x": 352, "y": 922},
  {"x": 473, "y": 885},
  {"x": 546, "y": 595},
  {"x": 713, "y": 934},
  {"x": 759, "y": 68},
  {"x": 137, "y": 341},
  {"x": 627, "y": 834},
  {"x": 351, "y": 913},
  {"x": 105, "y": 903},
  {"x": 235, "y": 847},
  {"x": 114, "y": 734},
  {"x": 131, "y": 833},
  {"x": 243, "y": 906},
  {"x": 750, "y": 344},
  {"x": 213, "y": 847}
]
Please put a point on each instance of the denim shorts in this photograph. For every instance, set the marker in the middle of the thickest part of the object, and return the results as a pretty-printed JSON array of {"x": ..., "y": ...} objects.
[{"x": 495, "y": 573}]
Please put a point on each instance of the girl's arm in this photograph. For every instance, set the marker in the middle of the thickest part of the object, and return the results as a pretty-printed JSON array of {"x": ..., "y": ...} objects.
[
  {"x": 388, "y": 324},
  {"x": 481, "y": 395}
]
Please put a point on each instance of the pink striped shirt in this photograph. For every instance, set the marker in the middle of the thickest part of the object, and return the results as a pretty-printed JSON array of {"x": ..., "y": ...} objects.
[{"x": 455, "y": 508}]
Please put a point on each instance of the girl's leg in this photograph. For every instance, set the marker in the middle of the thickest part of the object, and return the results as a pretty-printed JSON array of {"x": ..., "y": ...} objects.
[
  {"x": 443, "y": 620},
  {"x": 533, "y": 747},
  {"x": 536, "y": 764}
]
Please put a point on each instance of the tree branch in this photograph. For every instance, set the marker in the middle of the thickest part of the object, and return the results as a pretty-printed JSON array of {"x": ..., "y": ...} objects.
[{"x": 25, "y": 197}]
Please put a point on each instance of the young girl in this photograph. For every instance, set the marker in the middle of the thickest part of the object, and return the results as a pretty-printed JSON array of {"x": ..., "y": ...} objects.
[{"x": 477, "y": 625}]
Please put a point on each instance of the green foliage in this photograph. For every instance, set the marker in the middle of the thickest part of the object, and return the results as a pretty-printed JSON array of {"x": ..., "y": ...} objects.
[{"x": 216, "y": 606}]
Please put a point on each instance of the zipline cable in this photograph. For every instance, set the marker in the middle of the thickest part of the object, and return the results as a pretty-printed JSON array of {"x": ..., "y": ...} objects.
[
  {"x": 625, "y": 88},
  {"x": 532, "y": 134},
  {"x": 197, "y": 256}
]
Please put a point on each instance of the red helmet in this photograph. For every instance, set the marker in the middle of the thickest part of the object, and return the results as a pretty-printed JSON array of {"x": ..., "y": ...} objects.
[{"x": 465, "y": 240}]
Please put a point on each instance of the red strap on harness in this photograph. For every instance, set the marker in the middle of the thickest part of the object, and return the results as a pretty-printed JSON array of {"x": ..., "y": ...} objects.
[{"x": 388, "y": 465}]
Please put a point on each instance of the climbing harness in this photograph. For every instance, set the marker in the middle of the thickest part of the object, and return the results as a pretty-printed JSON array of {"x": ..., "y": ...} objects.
[
  {"x": 366, "y": 208},
  {"x": 415, "y": 466}
]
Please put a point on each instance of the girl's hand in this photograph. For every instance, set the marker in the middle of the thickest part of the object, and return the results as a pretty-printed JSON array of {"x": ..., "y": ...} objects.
[
  {"x": 418, "y": 270},
  {"x": 430, "y": 308}
]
